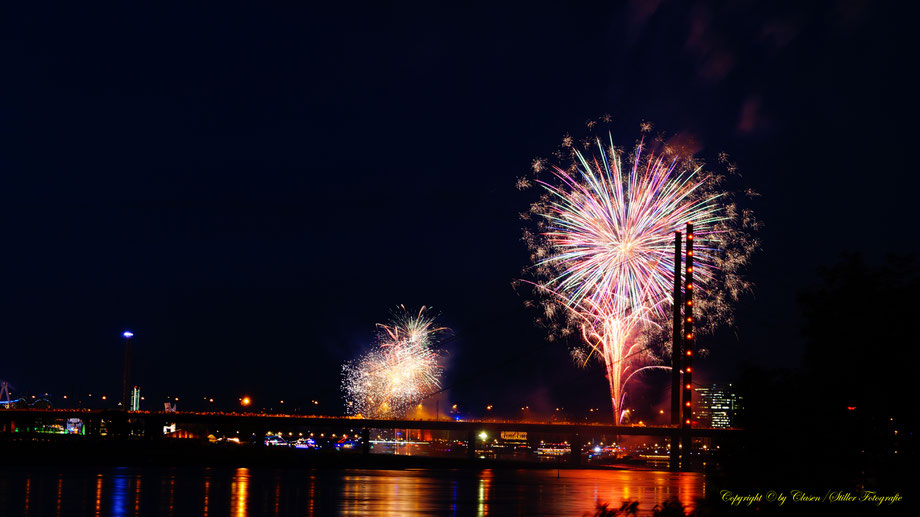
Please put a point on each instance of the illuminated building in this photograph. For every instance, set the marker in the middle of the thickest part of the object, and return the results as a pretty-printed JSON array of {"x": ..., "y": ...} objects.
[
  {"x": 135, "y": 399},
  {"x": 75, "y": 426},
  {"x": 718, "y": 406}
]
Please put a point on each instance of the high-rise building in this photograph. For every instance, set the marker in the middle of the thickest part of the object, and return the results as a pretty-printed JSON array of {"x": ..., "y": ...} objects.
[
  {"x": 135, "y": 399},
  {"x": 718, "y": 406}
]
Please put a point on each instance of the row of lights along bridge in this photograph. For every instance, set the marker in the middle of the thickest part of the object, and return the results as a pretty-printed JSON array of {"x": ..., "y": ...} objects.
[{"x": 245, "y": 403}]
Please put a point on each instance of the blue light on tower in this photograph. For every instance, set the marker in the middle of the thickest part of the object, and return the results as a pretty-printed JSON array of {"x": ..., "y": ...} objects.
[{"x": 128, "y": 334}]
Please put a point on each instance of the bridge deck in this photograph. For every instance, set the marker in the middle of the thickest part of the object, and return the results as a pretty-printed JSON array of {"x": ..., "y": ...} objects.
[{"x": 276, "y": 420}]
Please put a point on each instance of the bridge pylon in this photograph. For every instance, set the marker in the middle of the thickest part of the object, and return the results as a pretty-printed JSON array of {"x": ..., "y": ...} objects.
[
  {"x": 676, "y": 355},
  {"x": 689, "y": 339}
]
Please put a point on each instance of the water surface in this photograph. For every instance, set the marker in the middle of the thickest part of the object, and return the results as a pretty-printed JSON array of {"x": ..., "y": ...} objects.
[{"x": 255, "y": 492}]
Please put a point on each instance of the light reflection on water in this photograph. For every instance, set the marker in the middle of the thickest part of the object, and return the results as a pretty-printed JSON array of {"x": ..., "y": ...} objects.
[
  {"x": 240, "y": 492},
  {"x": 485, "y": 480},
  {"x": 58, "y": 500},
  {"x": 207, "y": 495},
  {"x": 98, "y": 495},
  {"x": 253, "y": 492},
  {"x": 137, "y": 495},
  {"x": 119, "y": 494},
  {"x": 28, "y": 495}
]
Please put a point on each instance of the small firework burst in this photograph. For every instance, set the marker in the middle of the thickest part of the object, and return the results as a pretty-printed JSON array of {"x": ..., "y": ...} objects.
[{"x": 404, "y": 368}]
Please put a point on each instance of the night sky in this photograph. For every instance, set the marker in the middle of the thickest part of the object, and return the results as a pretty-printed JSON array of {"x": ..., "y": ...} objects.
[{"x": 250, "y": 192}]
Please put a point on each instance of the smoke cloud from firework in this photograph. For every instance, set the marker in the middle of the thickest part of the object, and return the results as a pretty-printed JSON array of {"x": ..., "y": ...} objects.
[
  {"x": 404, "y": 367},
  {"x": 602, "y": 250}
]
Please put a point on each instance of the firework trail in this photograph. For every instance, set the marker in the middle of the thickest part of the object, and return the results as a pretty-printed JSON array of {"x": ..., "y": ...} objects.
[
  {"x": 603, "y": 251},
  {"x": 404, "y": 368}
]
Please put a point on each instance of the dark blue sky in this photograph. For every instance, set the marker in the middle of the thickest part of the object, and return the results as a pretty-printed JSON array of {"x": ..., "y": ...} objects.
[{"x": 251, "y": 191}]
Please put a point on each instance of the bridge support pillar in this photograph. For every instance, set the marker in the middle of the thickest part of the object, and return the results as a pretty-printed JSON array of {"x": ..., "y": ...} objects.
[
  {"x": 471, "y": 444},
  {"x": 365, "y": 441},
  {"x": 153, "y": 427},
  {"x": 259, "y": 432},
  {"x": 674, "y": 453},
  {"x": 24, "y": 425},
  {"x": 90, "y": 426},
  {"x": 118, "y": 425},
  {"x": 576, "y": 447},
  {"x": 686, "y": 442}
]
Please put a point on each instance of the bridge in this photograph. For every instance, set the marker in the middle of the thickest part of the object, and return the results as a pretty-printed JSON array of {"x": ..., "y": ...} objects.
[
  {"x": 272, "y": 421},
  {"x": 149, "y": 425}
]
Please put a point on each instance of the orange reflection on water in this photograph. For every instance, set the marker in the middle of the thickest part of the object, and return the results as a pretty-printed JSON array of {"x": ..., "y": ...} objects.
[
  {"x": 239, "y": 493},
  {"x": 207, "y": 494},
  {"x": 485, "y": 483},
  {"x": 514, "y": 492},
  {"x": 277, "y": 494},
  {"x": 350, "y": 498},
  {"x": 98, "y": 495},
  {"x": 650, "y": 488},
  {"x": 691, "y": 487},
  {"x": 311, "y": 496},
  {"x": 172, "y": 494},
  {"x": 25, "y": 509},
  {"x": 375, "y": 492}
]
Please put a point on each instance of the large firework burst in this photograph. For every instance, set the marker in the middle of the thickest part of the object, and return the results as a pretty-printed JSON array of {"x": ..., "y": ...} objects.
[
  {"x": 603, "y": 251},
  {"x": 404, "y": 368}
]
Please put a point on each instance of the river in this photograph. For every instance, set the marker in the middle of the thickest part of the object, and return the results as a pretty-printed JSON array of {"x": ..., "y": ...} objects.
[{"x": 263, "y": 491}]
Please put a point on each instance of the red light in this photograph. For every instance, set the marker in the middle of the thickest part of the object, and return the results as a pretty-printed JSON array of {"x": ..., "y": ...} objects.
[
  {"x": 690, "y": 236},
  {"x": 689, "y": 320},
  {"x": 851, "y": 408},
  {"x": 690, "y": 253},
  {"x": 689, "y": 336},
  {"x": 689, "y": 286},
  {"x": 689, "y": 302},
  {"x": 687, "y": 422},
  {"x": 689, "y": 370},
  {"x": 688, "y": 386},
  {"x": 689, "y": 270},
  {"x": 688, "y": 404}
]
